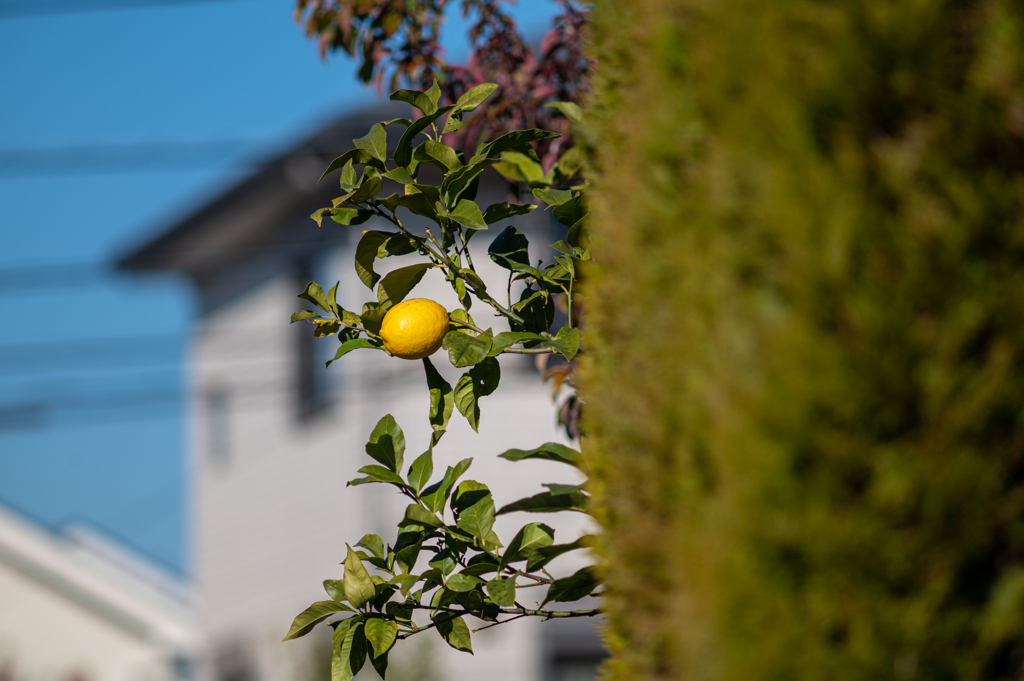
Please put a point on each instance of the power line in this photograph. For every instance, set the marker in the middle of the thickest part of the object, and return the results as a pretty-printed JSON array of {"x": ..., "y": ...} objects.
[
  {"x": 119, "y": 406},
  {"x": 125, "y": 157},
  {"x": 14, "y": 9},
  {"x": 38, "y": 277}
]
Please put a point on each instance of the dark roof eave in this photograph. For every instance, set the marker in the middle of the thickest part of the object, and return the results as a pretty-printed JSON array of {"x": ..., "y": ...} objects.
[{"x": 254, "y": 210}]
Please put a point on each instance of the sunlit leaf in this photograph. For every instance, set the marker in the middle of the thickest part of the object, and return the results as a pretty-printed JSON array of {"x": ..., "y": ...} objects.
[
  {"x": 358, "y": 586},
  {"x": 312, "y": 616}
]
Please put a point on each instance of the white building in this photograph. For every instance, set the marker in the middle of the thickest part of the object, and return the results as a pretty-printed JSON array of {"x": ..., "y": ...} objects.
[
  {"x": 75, "y": 607},
  {"x": 275, "y": 436}
]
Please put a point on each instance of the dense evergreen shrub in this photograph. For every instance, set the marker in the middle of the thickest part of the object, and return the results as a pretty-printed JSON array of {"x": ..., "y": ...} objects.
[{"x": 805, "y": 385}]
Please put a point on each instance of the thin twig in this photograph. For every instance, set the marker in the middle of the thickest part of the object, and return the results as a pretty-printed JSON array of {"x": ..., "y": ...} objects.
[{"x": 494, "y": 624}]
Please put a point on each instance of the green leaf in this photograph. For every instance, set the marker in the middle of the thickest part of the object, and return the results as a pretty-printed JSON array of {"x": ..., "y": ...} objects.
[
  {"x": 396, "y": 285},
  {"x": 404, "y": 582},
  {"x": 573, "y": 588},
  {"x": 577, "y": 233},
  {"x": 377, "y": 474},
  {"x": 366, "y": 253},
  {"x": 360, "y": 156},
  {"x": 399, "y": 244},
  {"x": 481, "y": 564},
  {"x": 368, "y": 189},
  {"x": 501, "y": 211},
  {"x": 473, "y": 504},
  {"x": 546, "y": 502},
  {"x": 343, "y": 216},
  {"x": 387, "y": 443},
  {"x": 418, "y": 99},
  {"x": 374, "y": 544},
  {"x": 463, "y": 294},
  {"x": 473, "y": 279},
  {"x": 478, "y": 382},
  {"x": 354, "y": 344},
  {"x": 332, "y": 298},
  {"x": 434, "y": 92},
  {"x": 559, "y": 488},
  {"x": 358, "y": 586},
  {"x": 442, "y": 403},
  {"x": 468, "y": 214},
  {"x": 421, "y": 469},
  {"x": 403, "y": 152},
  {"x": 569, "y": 110},
  {"x": 530, "y": 538},
  {"x": 347, "y": 181},
  {"x": 553, "y": 197},
  {"x": 454, "y": 631},
  {"x": 443, "y": 561},
  {"x": 569, "y": 165},
  {"x": 438, "y": 154},
  {"x": 372, "y": 318},
  {"x": 401, "y": 176},
  {"x": 543, "y": 556},
  {"x": 570, "y": 212},
  {"x": 380, "y": 664},
  {"x": 335, "y": 588},
  {"x": 475, "y": 96},
  {"x": 453, "y": 123},
  {"x": 461, "y": 583},
  {"x": 436, "y": 496},
  {"x": 417, "y": 515},
  {"x": 381, "y": 635},
  {"x": 455, "y": 183},
  {"x": 407, "y": 554},
  {"x": 398, "y": 121},
  {"x": 465, "y": 350},
  {"x": 502, "y": 591},
  {"x": 551, "y": 451},
  {"x": 326, "y": 327},
  {"x": 509, "y": 338},
  {"x": 420, "y": 204},
  {"x": 519, "y": 167},
  {"x": 511, "y": 140},
  {"x": 535, "y": 308},
  {"x": 375, "y": 143},
  {"x": 350, "y": 655},
  {"x": 312, "y": 616},
  {"x": 566, "y": 343},
  {"x": 304, "y": 314},
  {"x": 459, "y": 315},
  {"x": 390, "y": 202},
  {"x": 314, "y": 294},
  {"x": 511, "y": 247}
]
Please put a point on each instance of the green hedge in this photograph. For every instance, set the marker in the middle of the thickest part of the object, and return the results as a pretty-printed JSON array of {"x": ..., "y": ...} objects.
[{"x": 805, "y": 388}]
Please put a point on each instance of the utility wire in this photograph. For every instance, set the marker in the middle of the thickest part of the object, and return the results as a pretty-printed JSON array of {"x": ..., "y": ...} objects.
[
  {"x": 126, "y": 157},
  {"x": 14, "y": 9},
  {"x": 126, "y": 405}
]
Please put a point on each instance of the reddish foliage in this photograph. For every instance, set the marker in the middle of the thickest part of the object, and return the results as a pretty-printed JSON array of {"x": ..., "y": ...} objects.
[{"x": 400, "y": 41}]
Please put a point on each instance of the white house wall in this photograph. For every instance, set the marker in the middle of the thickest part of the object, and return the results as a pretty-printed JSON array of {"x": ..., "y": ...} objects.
[{"x": 272, "y": 518}]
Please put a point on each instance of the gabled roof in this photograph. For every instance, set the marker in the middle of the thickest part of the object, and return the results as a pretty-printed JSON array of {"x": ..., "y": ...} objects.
[
  {"x": 250, "y": 217},
  {"x": 100, "y": 577}
]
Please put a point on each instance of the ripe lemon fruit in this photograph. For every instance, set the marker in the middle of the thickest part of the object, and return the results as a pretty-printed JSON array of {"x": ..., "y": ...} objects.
[{"x": 414, "y": 329}]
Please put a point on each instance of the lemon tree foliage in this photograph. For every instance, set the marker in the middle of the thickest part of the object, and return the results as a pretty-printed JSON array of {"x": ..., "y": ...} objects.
[{"x": 446, "y": 568}]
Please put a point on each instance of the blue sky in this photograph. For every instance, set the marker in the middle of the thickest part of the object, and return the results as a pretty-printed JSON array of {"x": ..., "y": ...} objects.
[{"x": 76, "y": 339}]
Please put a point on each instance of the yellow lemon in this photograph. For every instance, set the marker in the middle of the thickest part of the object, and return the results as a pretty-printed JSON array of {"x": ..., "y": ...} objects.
[{"x": 414, "y": 329}]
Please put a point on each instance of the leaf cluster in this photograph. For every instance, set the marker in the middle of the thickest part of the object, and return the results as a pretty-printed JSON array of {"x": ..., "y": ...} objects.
[
  {"x": 445, "y": 562},
  {"x": 454, "y": 220}
]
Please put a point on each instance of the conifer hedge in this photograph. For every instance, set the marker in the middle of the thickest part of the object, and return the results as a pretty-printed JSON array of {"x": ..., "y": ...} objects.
[{"x": 806, "y": 338}]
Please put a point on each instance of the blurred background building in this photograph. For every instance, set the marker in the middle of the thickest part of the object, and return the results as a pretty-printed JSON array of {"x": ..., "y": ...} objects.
[
  {"x": 116, "y": 616},
  {"x": 274, "y": 435},
  {"x": 181, "y": 417}
]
